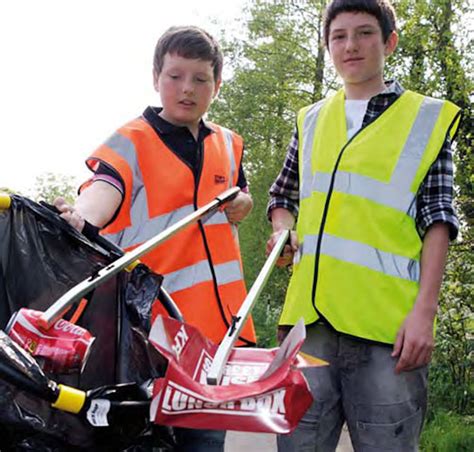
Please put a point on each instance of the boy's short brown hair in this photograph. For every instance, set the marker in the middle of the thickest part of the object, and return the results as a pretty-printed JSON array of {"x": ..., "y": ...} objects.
[
  {"x": 382, "y": 10},
  {"x": 189, "y": 42}
]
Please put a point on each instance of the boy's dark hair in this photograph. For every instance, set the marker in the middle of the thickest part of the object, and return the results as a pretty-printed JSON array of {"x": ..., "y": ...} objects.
[
  {"x": 189, "y": 42},
  {"x": 382, "y": 10}
]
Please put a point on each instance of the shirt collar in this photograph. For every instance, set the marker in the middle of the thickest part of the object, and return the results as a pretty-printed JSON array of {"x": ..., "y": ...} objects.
[
  {"x": 392, "y": 87},
  {"x": 152, "y": 114}
]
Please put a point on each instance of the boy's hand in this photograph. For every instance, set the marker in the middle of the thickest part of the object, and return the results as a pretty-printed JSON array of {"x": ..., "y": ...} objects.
[
  {"x": 239, "y": 207},
  {"x": 282, "y": 220},
  {"x": 69, "y": 214},
  {"x": 415, "y": 342},
  {"x": 288, "y": 251}
]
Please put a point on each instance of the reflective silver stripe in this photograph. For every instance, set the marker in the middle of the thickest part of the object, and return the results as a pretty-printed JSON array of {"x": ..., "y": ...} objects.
[
  {"x": 229, "y": 144},
  {"x": 140, "y": 232},
  {"x": 216, "y": 218},
  {"x": 309, "y": 127},
  {"x": 359, "y": 185},
  {"x": 124, "y": 147},
  {"x": 362, "y": 254},
  {"x": 395, "y": 194},
  {"x": 194, "y": 274},
  {"x": 417, "y": 141}
]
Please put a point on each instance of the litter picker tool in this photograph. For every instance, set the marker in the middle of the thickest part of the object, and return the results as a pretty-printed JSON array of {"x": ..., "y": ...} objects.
[
  {"x": 55, "y": 311},
  {"x": 215, "y": 372}
]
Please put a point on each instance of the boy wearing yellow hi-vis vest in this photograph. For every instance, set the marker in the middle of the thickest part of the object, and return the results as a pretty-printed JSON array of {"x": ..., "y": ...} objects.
[{"x": 368, "y": 174}]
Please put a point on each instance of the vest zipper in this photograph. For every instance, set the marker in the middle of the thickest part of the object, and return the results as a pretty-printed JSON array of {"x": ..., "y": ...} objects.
[{"x": 197, "y": 178}]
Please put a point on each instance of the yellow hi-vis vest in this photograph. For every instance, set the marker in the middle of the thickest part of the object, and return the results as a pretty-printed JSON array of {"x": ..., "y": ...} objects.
[{"x": 358, "y": 264}]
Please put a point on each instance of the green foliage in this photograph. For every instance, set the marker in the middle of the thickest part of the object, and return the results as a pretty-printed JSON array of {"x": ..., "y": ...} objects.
[
  {"x": 448, "y": 432},
  {"x": 7, "y": 190},
  {"x": 451, "y": 382},
  {"x": 49, "y": 186}
]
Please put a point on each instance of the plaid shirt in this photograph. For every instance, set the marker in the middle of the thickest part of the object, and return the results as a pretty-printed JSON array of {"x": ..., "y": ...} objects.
[{"x": 434, "y": 202}]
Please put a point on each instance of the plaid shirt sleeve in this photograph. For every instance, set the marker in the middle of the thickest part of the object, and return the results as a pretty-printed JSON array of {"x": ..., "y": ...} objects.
[
  {"x": 284, "y": 192},
  {"x": 434, "y": 201}
]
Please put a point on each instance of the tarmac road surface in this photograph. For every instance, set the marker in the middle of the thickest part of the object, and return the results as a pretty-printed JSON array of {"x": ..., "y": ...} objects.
[{"x": 266, "y": 442}]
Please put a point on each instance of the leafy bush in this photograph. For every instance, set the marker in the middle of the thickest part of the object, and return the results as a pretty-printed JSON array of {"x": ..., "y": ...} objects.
[{"x": 451, "y": 382}]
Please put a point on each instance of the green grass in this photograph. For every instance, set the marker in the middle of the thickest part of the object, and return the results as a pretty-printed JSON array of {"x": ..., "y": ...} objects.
[{"x": 448, "y": 432}]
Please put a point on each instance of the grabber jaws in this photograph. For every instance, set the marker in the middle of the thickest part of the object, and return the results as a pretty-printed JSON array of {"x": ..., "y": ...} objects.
[
  {"x": 55, "y": 311},
  {"x": 222, "y": 355}
]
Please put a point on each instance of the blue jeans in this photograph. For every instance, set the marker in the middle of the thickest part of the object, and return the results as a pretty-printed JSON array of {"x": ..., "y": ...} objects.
[
  {"x": 384, "y": 411},
  {"x": 193, "y": 440}
]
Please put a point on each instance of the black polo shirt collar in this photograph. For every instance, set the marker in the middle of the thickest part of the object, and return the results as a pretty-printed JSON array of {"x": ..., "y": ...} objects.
[
  {"x": 178, "y": 138},
  {"x": 163, "y": 127}
]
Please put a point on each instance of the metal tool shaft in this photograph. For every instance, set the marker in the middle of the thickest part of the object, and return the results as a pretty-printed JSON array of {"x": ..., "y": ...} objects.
[
  {"x": 222, "y": 355},
  {"x": 56, "y": 310}
]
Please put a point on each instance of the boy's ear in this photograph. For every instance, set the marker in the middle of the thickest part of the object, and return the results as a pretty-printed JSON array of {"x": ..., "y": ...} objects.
[
  {"x": 217, "y": 87},
  {"x": 156, "y": 76},
  {"x": 391, "y": 43}
]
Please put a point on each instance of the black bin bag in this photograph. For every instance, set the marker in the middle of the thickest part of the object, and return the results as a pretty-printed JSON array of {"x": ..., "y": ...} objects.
[{"x": 41, "y": 257}]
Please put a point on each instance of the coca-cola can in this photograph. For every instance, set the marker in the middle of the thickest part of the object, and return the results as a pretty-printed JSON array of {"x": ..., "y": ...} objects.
[{"x": 63, "y": 348}]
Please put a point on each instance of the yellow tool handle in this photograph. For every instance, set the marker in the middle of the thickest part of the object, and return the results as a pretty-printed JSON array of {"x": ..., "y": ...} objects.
[
  {"x": 5, "y": 201},
  {"x": 69, "y": 399}
]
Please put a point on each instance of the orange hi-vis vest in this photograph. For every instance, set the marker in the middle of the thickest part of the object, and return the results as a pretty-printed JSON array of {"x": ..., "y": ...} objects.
[{"x": 201, "y": 264}]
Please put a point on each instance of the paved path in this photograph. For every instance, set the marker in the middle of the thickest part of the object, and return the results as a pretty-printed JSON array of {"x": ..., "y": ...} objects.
[{"x": 266, "y": 442}]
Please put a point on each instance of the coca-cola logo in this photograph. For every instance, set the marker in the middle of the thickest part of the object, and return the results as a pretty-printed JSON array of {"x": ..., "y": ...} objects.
[{"x": 68, "y": 327}]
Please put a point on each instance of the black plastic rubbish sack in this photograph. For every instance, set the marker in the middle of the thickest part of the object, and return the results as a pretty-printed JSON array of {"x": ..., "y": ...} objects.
[{"x": 41, "y": 257}]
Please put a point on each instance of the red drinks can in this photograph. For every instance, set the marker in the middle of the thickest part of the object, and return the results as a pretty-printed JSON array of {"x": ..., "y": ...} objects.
[{"x": 63, "y": 348}]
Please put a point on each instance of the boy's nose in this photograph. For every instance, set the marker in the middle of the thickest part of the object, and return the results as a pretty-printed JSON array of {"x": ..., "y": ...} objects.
[
  {"x": 188, "y": 87},
  {"x": 351, "y": 44}
]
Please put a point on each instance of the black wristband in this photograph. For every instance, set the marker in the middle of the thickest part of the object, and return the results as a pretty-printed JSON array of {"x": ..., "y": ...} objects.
[{"x": 90, "y": 231}]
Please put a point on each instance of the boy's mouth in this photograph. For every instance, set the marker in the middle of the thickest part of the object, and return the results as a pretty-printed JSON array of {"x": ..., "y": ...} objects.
[
  {"x": 187, "y": 103},
  {"x": 350, "y": 60}
]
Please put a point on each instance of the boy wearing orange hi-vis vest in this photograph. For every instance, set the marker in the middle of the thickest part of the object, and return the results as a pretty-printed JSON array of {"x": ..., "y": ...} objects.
[
  {"x": 160, "y": 167},
  {"x": 368, "y": 174}
]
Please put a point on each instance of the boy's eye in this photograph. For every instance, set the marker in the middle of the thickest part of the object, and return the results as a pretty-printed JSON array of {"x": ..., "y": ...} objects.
[
  {"x": 201, "y": 80},
  {"x": 174, "y": 76},
  {"x": 337, "y": 37}
]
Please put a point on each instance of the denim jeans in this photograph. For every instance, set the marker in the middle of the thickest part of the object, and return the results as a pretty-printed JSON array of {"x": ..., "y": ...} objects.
[
  {"x": 193, "y": 440},
  {"x": 384, "y": 411}
]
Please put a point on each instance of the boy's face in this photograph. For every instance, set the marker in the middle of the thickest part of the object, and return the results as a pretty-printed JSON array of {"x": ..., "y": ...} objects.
[
  {"x": 186, "y": 88},
  {"x": 357, "y": 48}
]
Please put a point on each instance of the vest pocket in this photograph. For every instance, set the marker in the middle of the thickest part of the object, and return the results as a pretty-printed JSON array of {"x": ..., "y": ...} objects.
[{"x": 402, "y": 435}]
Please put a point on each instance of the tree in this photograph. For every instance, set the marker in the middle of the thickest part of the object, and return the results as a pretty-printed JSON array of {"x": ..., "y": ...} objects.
[
  {"x": 7, "y": 191},
  {"x": 49, "y": 186}
]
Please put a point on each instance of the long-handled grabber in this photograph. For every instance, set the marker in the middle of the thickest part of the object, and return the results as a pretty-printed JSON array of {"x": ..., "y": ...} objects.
[
  {"x": 215, "y": 372},
  {"x": 55, "y": 311}
]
